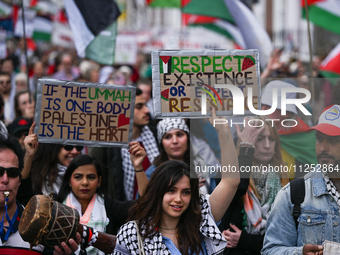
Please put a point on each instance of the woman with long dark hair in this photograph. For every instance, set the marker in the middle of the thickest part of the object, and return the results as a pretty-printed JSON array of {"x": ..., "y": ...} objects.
[
  {"x": 48, "y": 166},
  {"x": 172, "y": 217},
  {"x": 81, "y": 189}
]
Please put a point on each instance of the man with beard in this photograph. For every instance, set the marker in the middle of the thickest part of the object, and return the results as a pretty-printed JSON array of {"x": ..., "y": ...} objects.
[
  {"x": 143, "y": 132},
  {"x": 319, "y": 218}
]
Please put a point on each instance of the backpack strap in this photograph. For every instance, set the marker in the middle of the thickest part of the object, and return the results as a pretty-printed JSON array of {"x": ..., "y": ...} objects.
[{"x": 297, "y": 196}]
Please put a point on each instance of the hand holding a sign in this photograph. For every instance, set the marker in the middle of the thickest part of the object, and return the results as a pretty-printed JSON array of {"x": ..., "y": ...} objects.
[
  {"x": 137, "y": 156},
  {"x": 31, "y": 145}
]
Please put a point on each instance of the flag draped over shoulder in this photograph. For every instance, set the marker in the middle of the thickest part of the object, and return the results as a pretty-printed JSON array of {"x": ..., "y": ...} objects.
[
  {"x": 89, "y": 19},
  {"x": 298, "y": 143},
  {"x": 301, "y": 146},
  {"x": 323, "y": 13},
  {"x": 330, "y": 67}
]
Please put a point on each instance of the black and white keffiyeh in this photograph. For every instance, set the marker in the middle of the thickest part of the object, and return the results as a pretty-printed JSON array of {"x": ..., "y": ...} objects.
[
  {"x": 168, "y": 124},
  {"x": 214, "y": 241},
  {"x": 151, "y": 148},
  {"x": 331, "y": 189}
]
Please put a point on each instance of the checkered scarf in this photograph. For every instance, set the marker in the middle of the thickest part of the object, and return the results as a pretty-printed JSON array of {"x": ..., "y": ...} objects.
[
  {"x": 214, "y": 241},
  {"x": 151, "y": 148},
  {"x": 331, "y": 189},
  {"x": 166, "y": 125}
]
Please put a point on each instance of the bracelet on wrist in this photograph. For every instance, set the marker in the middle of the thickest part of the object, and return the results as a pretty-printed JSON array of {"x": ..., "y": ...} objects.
[
  {"x": 248, "y": 144},
  {"x": 137, "y": 171}
]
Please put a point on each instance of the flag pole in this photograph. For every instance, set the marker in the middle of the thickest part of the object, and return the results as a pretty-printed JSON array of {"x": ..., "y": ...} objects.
[
  {"x": 25, "y": 49},
  {"x": 310, "y": 53}
]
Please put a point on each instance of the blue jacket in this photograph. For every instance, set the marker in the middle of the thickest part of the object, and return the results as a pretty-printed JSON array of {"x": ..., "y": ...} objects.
[{"x": 319, "y": 219}]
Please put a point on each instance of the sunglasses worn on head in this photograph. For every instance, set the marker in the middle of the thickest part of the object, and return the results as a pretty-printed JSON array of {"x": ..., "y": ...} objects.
[
  {"x": 11, "y": 171},
  {"x": 70, "y": 147}
]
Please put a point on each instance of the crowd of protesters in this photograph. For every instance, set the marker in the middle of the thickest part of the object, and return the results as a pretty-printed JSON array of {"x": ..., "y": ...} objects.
[{"x": 147, "y": 192}]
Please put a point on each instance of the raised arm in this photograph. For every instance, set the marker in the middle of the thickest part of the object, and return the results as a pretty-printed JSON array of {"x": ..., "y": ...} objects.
[
  {"x": 226, "y": 189},
  {"x": 31, "y": 146},
  {"x": 273, "y": 64},
  {"x": 137, "y": 155}
]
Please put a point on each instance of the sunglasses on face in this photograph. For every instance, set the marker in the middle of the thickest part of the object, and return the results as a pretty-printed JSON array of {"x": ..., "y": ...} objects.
[
  {"x": 70, "y": 147},
  {"x": 11, "y": 171},
  {"x": 4, "y": 82}
]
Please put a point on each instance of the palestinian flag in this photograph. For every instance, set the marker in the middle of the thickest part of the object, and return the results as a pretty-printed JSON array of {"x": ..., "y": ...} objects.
[
  {"x": 88, "y": 19},
  {"x": 215, "y": 8},
  {"x": 220, "y": 26},
  {"x": 5, "y": 10},
  {"x": 102, "y": 48},
  {"x": 323, "y": 13},
  {"x": 330, "y": 67},
  {"x": 164, "y": 3},
  {"x": 234, "y": 20},
  {"x": 42, "y": 29},
  {"x": 165, "y": 64},
  {"x": 254, "y": 35},
  {"x": 62, "y": 33}
]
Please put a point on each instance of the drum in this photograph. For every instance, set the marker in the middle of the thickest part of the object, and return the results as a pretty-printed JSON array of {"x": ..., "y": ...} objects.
[{"x": 48, "y": 222}]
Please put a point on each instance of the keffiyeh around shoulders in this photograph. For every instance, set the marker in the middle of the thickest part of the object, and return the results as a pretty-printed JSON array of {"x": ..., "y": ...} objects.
[{"x": 214, "y": 241}]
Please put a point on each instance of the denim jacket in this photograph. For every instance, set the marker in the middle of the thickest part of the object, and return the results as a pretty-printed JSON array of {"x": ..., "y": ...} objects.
[{"x": 319, "y": 219}]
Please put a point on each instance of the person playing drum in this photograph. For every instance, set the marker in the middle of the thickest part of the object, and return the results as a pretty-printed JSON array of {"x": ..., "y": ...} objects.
[
  {"x": 81, "y": 189},
  {"x": 11, "y": 164}
]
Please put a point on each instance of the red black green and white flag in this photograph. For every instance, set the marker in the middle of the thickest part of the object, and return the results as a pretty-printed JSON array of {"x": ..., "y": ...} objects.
[
  {"x": 5, "y": 10},
  {"x": 91, "y": 19},
  {"x": 324, "y": 13},
  {"x": 330, "y": 67},
  {"x": 42, "y": 28},
  {"x": 62, "y": 33},
  {"x": 217, "y": 25},
  {"x": 215, "y": 8},
  {"x": 254, "y": 34}
]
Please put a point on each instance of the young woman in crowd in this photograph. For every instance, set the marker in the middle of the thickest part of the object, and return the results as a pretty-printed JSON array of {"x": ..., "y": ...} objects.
[
  {"x": 245, "y": 220},
  {"x": 172, "y": 217},
  {"x": 174, "y": 138},
  {"x": 22, "y": 105},
  {"x": 47, "y": 165},
  {"x": 81, "y": 189}
]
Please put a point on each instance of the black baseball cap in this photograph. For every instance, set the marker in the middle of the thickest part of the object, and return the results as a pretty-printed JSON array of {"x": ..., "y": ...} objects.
[{"x": 18, "y": 125}]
